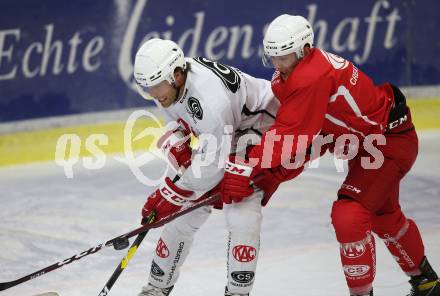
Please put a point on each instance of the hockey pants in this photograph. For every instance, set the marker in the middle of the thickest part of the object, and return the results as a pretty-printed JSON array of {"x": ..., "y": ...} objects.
[{"x": 244, "y": 223}]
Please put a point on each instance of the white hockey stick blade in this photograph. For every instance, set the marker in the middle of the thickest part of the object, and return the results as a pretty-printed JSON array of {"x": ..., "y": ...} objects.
[{"x": 48, "y": 294}]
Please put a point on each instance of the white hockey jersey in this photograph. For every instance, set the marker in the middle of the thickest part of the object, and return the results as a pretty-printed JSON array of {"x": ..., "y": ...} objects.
[{"x": 217, "y": 100}]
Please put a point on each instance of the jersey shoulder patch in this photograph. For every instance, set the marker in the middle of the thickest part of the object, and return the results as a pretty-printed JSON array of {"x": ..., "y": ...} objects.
[{"x": 337, "y": 62}]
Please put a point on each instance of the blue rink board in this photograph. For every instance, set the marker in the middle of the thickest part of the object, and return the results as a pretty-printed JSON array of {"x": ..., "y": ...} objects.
[{"x": 69, "y": 57}]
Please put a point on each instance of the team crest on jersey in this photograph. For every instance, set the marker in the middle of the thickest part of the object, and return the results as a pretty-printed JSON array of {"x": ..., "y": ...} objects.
[
  {"x": 243, "y": 253},
  {"x": 194, "y": 108},
  {"x": 336, "y": 61},
  {"x": 162, "y": 249}
]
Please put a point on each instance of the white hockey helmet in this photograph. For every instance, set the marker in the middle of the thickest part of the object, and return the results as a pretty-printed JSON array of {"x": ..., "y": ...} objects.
[
  {"x": 286, "y": 34},
  {"x": 155, "y": 62}
]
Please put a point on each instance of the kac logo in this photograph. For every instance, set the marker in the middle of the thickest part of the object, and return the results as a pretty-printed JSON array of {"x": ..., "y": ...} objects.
[
  {"x": 353, "y": 250},
  {"x": 336, "y": 61},
  {"x": 243, "y": 253}
]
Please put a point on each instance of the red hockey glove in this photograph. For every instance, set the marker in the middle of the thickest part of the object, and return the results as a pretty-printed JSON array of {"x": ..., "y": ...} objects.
[
  {"x": 236, "y": 181},
  {"x": 175, "y": 145},
  {"x": 269, "y": 180},
  {"x": 164, "y": 201}
]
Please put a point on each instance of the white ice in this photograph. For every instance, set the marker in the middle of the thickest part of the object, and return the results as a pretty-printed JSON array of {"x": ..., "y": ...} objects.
[{"x": 46, "y": 217}]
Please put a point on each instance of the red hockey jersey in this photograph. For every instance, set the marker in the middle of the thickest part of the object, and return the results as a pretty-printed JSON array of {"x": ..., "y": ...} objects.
[{"x": 324, "y": 94}]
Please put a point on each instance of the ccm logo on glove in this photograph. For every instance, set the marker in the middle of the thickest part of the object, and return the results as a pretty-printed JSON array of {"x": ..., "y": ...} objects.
[
  {"x": 237, "y": 169},
  {"x": 172, "y": 196}
]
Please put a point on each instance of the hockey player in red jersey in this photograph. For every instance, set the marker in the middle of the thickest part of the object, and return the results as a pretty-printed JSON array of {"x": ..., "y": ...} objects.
[{"x": 324, "y": 96}]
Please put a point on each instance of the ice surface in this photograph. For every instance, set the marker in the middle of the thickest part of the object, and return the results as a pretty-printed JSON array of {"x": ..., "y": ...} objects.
[{"x": 45, "y": 218}]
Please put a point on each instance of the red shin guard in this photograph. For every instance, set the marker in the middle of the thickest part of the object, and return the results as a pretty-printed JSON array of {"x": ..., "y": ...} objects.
[
  {"x": 358, "y": 254},
  {"x": 402, "y": 238}
]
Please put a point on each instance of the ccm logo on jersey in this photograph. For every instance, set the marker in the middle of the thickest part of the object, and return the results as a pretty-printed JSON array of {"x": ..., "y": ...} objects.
[
  {"x": 397, "y": 122},
  {"x": 243, "y": 253},
  {"x": 238, "y": 169},
  {"x": 351, "y": 188},
  {"x": 356, "y": 270}
]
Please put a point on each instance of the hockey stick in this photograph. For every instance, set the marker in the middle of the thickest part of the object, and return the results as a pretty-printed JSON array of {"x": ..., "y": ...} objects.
[
  {"x": 124, "y": 262},
  {"x": 209, "y": 199}
]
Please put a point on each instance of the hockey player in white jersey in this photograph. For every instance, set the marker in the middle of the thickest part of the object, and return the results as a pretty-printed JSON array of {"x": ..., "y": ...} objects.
[{"x": 218, "y": 104}]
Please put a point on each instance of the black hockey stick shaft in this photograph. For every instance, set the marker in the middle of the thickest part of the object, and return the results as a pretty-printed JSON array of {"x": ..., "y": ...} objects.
[
  {"x": 204, "y": 201},
  {"x": 124, "y": 262},
  {"x": 7, "y": 285}
]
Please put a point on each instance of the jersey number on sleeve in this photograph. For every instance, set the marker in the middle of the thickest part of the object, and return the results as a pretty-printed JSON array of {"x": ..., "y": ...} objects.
[{"x": 229, "y": 76}]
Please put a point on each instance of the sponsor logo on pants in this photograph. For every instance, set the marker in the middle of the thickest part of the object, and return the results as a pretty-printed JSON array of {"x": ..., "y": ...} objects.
[
  {"x": 175, "y": 261},
  {"x": 243, "y": 253},
  {"x": 243, "y": 277},
  {"x": 356, "y": 270},
  {"x": 156, "y": 270},
  {"x": 162, "y": 249},
  {"x": 353, "y": 250}
]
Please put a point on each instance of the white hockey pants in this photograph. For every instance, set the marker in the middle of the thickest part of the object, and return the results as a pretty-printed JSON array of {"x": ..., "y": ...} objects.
[{"x": 244, "y": 224}]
